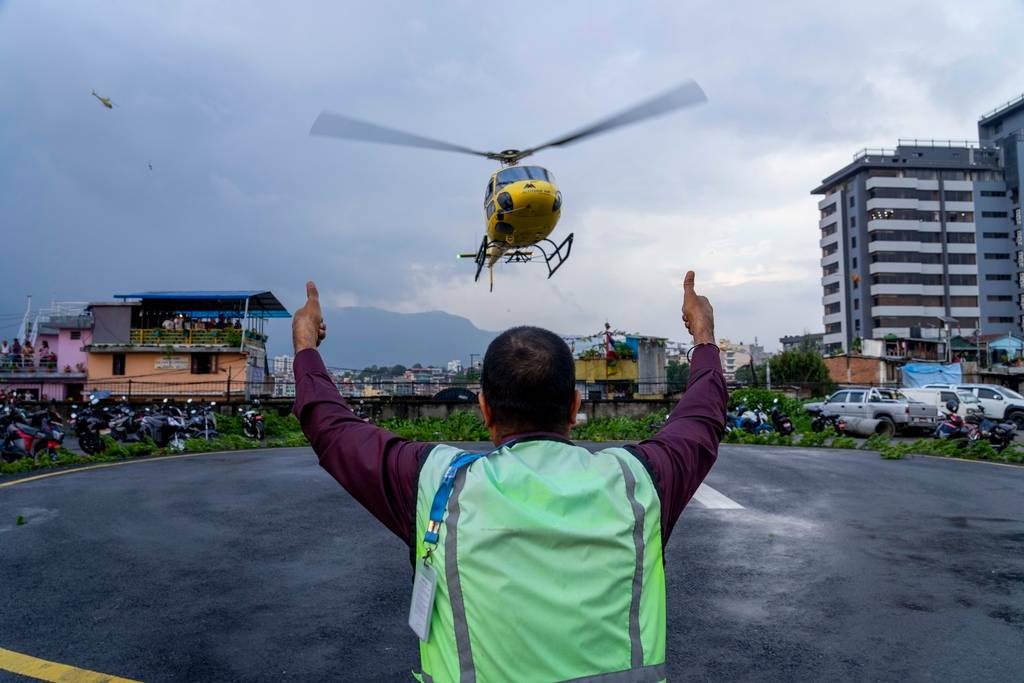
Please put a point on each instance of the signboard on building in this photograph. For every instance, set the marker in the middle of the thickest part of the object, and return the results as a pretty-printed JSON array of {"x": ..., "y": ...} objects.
[{"x": 171, "y": 363}]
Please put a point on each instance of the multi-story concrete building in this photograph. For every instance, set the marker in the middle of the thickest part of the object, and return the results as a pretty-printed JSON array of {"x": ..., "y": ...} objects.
[
  {"x": 919, "y": 242},
  {"x": 283, "y": 365},
  {"x": 1003, "y": 128}
]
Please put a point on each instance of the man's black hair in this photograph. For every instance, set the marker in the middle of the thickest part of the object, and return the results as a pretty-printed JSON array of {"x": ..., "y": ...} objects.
[{"x": 529, "y": 380}]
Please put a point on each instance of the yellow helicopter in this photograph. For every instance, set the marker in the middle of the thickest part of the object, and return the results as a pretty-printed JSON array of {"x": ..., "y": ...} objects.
[
  {"x": 105, "y": 101},
  {"x": 522, "y": 204}
]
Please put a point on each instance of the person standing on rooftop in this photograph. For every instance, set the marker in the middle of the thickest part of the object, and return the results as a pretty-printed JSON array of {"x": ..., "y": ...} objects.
[{"x": 537, "y": 560}]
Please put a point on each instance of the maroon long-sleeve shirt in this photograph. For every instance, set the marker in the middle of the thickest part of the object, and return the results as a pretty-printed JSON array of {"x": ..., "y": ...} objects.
[{"x": 380, "y": 469}]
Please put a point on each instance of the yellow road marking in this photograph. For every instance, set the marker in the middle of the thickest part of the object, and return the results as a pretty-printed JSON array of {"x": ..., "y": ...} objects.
[
  {"x": 101, "y": 465},
  {"x": 33, "y": 667}
]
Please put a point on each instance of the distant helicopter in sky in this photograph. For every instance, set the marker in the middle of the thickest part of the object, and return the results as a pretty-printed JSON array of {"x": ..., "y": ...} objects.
[
  {"x": 522, "y": 204},
  {"x": 105, "y": 101}
]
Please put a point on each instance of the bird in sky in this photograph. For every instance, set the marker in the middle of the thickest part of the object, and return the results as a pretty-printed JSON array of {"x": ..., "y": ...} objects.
[
  {"x": 105, "y": 101},
  {"x": 150, "y": 166}
]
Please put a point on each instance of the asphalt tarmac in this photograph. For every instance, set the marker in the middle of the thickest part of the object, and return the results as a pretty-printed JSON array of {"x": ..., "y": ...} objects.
[{"x": 257, "y": 566}]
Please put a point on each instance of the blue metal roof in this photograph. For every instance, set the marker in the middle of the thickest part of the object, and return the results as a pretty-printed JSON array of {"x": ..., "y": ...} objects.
[{"x": 262, "y": 304}]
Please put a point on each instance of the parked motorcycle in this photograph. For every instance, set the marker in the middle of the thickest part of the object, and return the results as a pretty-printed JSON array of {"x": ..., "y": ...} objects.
[
  {"x": 781, "y": 422},
  {"x": 822, "y": 422},
  {"x": 252, "y": 422},
  {"x": 999, "y": 434},
  {"x": 201, "y": 422}
]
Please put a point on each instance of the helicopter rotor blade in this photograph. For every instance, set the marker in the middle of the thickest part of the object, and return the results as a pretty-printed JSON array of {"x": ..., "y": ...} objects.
[
  {"x": 332, "y": 125},
  {"x": 686, "y": 94}
]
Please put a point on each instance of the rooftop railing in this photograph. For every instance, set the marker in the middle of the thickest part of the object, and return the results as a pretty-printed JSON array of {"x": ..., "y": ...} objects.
[
  {"x": 1003, "y": 107},
  {"x": 157, "y": 336}
]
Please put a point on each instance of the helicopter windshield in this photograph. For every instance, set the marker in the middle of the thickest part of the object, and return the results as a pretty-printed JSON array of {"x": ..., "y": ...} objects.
[{"x": 516, "y": 173}]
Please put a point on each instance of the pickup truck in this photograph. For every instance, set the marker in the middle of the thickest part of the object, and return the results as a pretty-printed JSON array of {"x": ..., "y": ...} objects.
[
  {"x": 999, "y": 402},
  {"x": 880, "y": 404}
]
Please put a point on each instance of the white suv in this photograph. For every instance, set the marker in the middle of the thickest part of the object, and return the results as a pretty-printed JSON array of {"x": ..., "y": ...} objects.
[{"x": 999, "y": 402}]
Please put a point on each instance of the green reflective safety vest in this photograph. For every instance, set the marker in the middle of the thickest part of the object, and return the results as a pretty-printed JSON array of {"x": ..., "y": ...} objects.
[{"x": 549, "y": 567}]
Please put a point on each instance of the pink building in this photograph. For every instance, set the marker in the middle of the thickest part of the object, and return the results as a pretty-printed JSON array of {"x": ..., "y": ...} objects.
[{"x": 57, "y": 369}]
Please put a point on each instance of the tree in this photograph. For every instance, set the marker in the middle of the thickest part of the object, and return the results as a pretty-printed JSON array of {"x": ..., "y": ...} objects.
[
  {"x": 678, "y": 374},
  {"x": 801, "y": 367}
]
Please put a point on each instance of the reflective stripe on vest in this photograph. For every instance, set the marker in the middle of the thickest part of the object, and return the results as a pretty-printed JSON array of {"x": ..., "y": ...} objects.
[{"x": 549, "y": 567}]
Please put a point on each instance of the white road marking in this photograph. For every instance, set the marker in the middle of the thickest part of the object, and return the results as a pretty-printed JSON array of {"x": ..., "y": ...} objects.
[{"x": 713, "y": 500}]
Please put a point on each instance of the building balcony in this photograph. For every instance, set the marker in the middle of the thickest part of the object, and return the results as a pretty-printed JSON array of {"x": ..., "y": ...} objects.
[
  {"x": 915, "y": 247},
  {"x": 149, "y": 339},
  {"x": 904, "y": 267}
]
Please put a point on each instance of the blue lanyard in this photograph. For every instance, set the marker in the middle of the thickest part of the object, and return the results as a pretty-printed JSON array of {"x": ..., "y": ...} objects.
[{"x": 444, "y": 491}]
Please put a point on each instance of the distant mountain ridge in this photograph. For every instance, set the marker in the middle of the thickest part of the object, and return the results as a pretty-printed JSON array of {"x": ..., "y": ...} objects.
[{"x": 359, "y": 336}]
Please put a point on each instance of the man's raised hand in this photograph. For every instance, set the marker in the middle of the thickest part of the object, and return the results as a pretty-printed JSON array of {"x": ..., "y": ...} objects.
[
  {"x": 308, "y": 327},
  {"x": 698, "y": 315}
]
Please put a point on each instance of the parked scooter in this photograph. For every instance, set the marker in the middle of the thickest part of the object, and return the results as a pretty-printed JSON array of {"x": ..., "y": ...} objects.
[
  {"x": 252, "y": 422},
  {"x": 780, "y": 421},
  {"x": 753, "y": 421},
  {"x": 29, "y": 435},
  {"x": 953, "y": 427}
]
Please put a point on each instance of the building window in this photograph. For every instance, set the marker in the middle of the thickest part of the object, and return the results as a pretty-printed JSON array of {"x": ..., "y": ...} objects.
[
  {"x": 76, "y": 335},
  {"x": 853, "y": 242},
  {"x": 997, "y": 257},
  {"x": 853, "y": 262},
  {"x": 1000, "y": 319},
  {"x": 996, "y": 235},
  {"x": 959, "y": 216},
  {"x": 963, "y": 280},
  {"x": 828, "y": 210},
  {"x": 856, "y": 304},
  {"x": 204, "y": 363},
  {"x": 957, "y": 196},
  {"x": 832, "y": 328},
  {"x": 829, "y": 249},
  {"x": 994, "y": 214},
  {"x": 956, "y": 259},
  {"x": 832, "y": 308},
  {"x": 963, "y": 301},
  {"x": 829, "y": 229},
  {"x": 851, "y": 200},
  {"x": 999, "y": 297},
  {"x": 993, "y": 193},
  {"x": 856, "y": 325},
  {"x": 117, "y": 364},
  {"x": 832, "y": 288},
  {"x": 991, "y": 277},
  {"x": 856, "y": 284},
  {"x": 960, "y": 237},
  {"x": 853, "y": 221},
  {"x": 830, "y": 269}
]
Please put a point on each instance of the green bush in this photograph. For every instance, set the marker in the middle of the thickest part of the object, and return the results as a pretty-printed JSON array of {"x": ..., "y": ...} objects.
[
  {"x": 843, "y": 442},
  {"x": 817, "y": 439},
  {"x": 460, "y": 426},
  {"x": 875, "y": 442}
]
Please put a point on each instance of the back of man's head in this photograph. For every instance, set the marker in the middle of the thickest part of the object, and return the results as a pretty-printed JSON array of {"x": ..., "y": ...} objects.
[{"x": 529, "y": 380}]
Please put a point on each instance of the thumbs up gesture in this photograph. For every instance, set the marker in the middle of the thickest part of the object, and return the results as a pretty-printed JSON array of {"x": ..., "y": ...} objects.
[
  {"x": 308, "y": 327},
  {"x": 698, "y": 315}
]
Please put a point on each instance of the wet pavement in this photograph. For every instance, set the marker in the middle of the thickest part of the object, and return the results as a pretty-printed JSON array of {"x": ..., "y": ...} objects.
[{"x": 257, "y": 566}]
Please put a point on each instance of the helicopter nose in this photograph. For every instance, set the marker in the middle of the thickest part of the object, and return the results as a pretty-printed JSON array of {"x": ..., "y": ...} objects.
[{"x": 530, "y": 198}]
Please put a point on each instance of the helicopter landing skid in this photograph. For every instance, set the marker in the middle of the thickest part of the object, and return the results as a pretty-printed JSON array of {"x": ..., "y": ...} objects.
[{"x": 556, "y": 256}]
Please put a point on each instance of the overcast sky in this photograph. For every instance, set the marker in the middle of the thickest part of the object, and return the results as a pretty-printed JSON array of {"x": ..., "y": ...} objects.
[{"x": 219, "y": 98}]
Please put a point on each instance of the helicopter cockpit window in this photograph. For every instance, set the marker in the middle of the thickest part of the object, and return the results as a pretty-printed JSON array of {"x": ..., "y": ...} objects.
[
  {"x": 487, "y": 192},
  {"x": 517, "y": 173}
]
